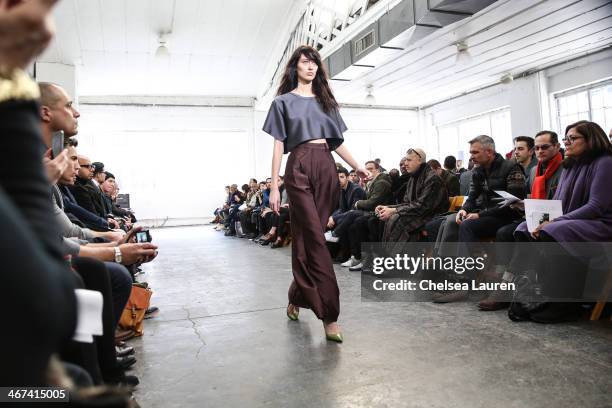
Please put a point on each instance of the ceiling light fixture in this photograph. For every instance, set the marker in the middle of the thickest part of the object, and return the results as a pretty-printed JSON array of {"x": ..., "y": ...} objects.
[
  {"x": 370, "y": 99},
  {"x": 463, "y": 56},
  {"x": 506, "y": 78},
  {"x": 162, "y": 49}
]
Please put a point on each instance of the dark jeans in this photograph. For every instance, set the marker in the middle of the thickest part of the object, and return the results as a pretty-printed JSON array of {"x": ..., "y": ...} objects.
[
  {"x": 342, "y": 229},
  {"x": 503, "y": 254},
  {"x": 121, "y": 285}
]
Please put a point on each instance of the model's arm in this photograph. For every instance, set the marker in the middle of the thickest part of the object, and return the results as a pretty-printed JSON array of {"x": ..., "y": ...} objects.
[
  {"x": 343, "y": 152},
  {"x": 277, "y": 156}
]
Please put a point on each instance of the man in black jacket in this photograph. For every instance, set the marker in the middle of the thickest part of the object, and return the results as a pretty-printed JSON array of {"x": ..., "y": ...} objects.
[
  {"x": 87, "y": 194},
  {"x": 480, "y": 216},
  {"x": 349, "y": 195}
]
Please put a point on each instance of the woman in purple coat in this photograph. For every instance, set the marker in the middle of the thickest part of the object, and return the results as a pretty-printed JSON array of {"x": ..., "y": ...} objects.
[
  {"x": 584, "y": 187},
  {"x": 586, "y": 199}
]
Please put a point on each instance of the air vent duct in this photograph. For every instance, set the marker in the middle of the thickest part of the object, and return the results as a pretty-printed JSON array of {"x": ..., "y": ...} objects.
[{"x": 404, "y": 24}]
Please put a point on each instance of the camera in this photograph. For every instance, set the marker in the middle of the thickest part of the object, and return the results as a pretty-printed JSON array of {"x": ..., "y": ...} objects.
[{"x": 143, "y": 236}]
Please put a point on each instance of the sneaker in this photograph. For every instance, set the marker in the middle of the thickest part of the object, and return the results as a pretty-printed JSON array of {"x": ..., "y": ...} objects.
[
  {"x": 329, "y": 237},
  {"x": 351, "y": 262},
  {"x": 356, "y": 267}
]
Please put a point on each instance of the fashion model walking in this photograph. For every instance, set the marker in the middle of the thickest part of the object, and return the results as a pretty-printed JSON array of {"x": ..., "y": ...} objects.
[{"x": 304, "y": 120}]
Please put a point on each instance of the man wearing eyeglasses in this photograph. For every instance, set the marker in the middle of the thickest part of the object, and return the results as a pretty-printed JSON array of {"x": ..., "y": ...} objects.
[
  {"x": 542, "y": 184},
  {"x": 87, "y": 194}
]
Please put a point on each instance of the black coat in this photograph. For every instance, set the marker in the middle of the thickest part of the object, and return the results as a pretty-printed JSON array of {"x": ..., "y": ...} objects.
[
  {"x": 89, "y": 196},
  {"x": 425, "y": 197},
  {"x": 505, "y": 175},
  {"x": 36, "y": 286},
  {"x": 348, "y": 198}
]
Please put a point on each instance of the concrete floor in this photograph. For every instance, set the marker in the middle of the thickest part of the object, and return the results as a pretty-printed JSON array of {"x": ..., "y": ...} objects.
[{"x": 222, "y": 340}]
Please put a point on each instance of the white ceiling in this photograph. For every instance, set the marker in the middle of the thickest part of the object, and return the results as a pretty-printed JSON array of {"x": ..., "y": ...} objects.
[
  {"x": 218, "y": 47},
  {"x": 510, "y": 36},
  {"x": 230, "y": 47}
]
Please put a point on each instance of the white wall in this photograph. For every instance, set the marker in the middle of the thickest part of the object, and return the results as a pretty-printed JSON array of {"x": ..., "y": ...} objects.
[
  {"x": 528, "y": 97},
  {"x": 175, "y": 161}
]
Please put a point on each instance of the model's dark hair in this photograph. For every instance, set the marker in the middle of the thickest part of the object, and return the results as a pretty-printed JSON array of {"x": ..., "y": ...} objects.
[
  {"x": 526, "y": 139},
  {"x": 554, "y": 138},
  {"x": 597, "y": 143},
  {"x": 320, "y": 86}
]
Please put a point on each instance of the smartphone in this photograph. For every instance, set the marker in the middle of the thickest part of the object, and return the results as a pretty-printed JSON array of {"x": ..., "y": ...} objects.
[
  {"x": 57, "y": 143},
  {"x": 143, "y": 236}
]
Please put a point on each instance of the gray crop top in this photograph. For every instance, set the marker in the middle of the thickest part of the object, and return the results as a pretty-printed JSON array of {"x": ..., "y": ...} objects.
[{"x": 294, "y": 119}]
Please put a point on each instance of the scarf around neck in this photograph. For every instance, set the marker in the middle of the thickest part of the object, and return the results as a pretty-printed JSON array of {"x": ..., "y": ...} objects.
[{"x": 538, "y": 190}]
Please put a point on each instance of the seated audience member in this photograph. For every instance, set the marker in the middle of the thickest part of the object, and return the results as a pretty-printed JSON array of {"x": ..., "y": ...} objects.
[
  {"x": 263, "y": 210},
  {"x": 459, "y": 170},
  {"x": 34, "y": 273},
  {"x": 398, "y": 184},
  {"x": 109, "y": 189},
  {"x": 586, "y": 200},
  {"x": 480, "y": 216},
  {"x": 255, "y": 224},
  {"x": 218, "y": 210},
  {"x": 235, "y": 201},
  {"x": 86, "y": 193},
  {"x": 542, "y": 185},
  {"x": 58, "y": 113},
  {"x": 275, "y": 223},
  {"x": 450, "y": 165},
  {"x": 350, "y": 193},
  {"x": 355, "y": 179},
  {"x": 250, "y": 202},
  {"x": 524, "y": 154},
  {"x": 451, "y": 182},
  {"x": 425, "y": 196},
  {"x": 378, "y": 191},
  {"x": 99, "y": 175},
  {"x": 382, "y": 169},
  {"x": 465, "y": 178}
]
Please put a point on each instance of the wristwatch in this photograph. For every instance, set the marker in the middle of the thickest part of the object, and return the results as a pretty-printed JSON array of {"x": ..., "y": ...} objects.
[
  {"x": 118, "y": 255},
  {"x": 16, "y": 84}
]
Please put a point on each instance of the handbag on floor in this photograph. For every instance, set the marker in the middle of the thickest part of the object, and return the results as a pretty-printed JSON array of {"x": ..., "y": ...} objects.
[{"x": 132, "y": 317}]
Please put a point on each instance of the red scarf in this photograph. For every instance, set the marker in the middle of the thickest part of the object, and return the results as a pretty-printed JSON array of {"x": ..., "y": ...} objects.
[{"x": 538, "y": 189}]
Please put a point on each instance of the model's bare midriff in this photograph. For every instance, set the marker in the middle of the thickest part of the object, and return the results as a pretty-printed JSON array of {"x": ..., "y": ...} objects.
[{"x": 317, "y": 141}]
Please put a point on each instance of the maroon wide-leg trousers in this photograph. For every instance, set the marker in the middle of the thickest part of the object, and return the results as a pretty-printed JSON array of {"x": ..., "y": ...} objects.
[{"x": 311, "y": 180}]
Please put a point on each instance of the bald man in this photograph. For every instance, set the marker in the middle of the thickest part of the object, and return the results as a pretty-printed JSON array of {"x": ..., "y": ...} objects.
[
  {"x": 57, "y": 112},
  {"x": 86, "y": 193}
]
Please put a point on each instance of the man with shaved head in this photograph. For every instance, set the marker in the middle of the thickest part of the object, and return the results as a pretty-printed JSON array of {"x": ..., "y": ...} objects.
[
  {"x": 86, "y": 193},
  {"x": 57, "y": 112}
]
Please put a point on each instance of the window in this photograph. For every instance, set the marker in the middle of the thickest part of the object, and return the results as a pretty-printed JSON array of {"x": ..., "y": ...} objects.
[
  {"x": 453, "y": 137},
  {"x": 593, "y": 103}
]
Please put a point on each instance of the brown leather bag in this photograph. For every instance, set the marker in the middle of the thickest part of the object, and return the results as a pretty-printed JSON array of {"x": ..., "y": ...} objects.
[{"x": 133, "y": 315}]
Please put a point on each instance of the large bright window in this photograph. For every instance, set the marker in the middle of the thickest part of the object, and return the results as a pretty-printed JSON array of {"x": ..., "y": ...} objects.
[
  {"x": 453, "y": 137},
  {"x": 592, "y": 103}
]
